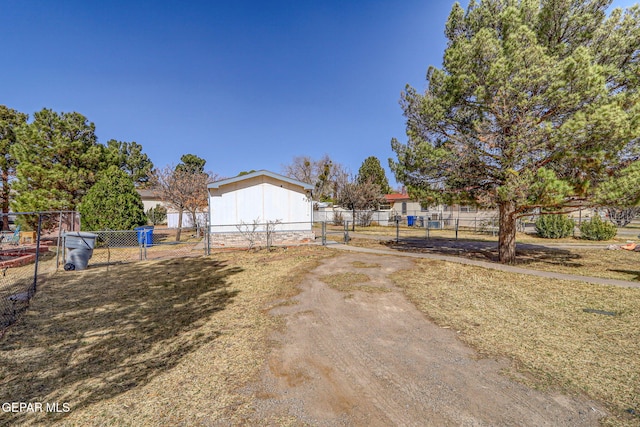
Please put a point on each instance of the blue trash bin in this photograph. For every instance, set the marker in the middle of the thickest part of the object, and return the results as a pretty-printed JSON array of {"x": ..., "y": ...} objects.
[
  {"x": 145, "y": 235},
  {"x": 410, "y": 220}
]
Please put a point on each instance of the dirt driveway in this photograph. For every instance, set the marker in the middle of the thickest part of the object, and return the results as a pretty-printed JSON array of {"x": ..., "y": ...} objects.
[{"x": 367, "y": 356}]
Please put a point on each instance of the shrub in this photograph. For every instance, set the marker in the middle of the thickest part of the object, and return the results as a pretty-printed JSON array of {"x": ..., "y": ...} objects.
[
  {"x": 337, "y": 218},
  {"x": 363, "y": 218},
  {"x": 157, "y": 215},
  {"x": 112, "y": 203},
  {"x": 597, "y": 229},
  {"x": 554, "y": 226}
]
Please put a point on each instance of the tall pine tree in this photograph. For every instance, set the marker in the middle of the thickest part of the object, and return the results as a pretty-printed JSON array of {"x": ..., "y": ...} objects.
[
  {"x": 372, "y": 171},
  {"x": 128, "y": 156},
  {"x": 58, "y": 158},
  {"x": 10, "y": 121},
  {"x": 535, "y": 105}
]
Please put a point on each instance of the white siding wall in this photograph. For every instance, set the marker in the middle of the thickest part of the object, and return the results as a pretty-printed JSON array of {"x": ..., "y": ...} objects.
[
  {"x": 172, "y": 219},
  {"x": 262, "y": 199}
]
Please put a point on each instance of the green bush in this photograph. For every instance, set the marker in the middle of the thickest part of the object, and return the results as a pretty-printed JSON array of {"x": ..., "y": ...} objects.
[
  {"x": 596, "y": 229},
  {"x": 554, "y": 226},
  {"x": 112, "y": 203},
  {"x": 157, "y": 215}
]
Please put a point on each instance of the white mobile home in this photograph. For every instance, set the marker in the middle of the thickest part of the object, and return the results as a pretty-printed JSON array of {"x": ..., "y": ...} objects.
[{"x": 235, "y": 204}]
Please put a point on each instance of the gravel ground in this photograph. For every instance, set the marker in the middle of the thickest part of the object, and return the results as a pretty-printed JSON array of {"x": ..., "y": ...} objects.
[{"x": 358, "y": 357}]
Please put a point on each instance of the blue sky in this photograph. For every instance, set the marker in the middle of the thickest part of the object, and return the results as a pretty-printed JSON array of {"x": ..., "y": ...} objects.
[{"x": 242, "y": 84}]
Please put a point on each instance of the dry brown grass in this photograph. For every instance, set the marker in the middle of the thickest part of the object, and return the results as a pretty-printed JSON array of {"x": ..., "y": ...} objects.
[
  {"x": 596, "y": 262},
  {"x": 344, "y": 279},
  {"x": 151, "y": 343},
  {"x": 541, "y": 324},
  {"x": 622, "y": 265},
  {"x": 360, "y": 264},
  {"x": 172, "y": 342},
  {"x": 351, "y": 282},
  {"x": 463, "y": 233}
]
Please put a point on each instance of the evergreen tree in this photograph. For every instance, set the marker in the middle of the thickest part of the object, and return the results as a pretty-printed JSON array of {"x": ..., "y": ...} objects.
[
  {"x": 157, "y": 215},
  {"x": 10, "y": 120},
  {"x": 112, "y": 203},
  {"x": 372, "y": 171},
  {"x": 129, "y": 157},
  {"x": 536, "y": 103},
  {"x": 190, "y": 163},
  {"x": 620, "y": 195},
  {"x": 58, "y": 158}
]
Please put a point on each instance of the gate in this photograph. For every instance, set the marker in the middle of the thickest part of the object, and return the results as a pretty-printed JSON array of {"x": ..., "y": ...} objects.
[{"x": 344, "y": 233}]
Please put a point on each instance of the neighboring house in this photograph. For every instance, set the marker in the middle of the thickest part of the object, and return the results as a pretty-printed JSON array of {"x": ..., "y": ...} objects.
[
  {"x": 468, "y": 216},
  {"x": 412, "y": 212},
  {"x": 187, "y": 220},
  {"x": 238, "y": 205},
  {"x": 340, "y": 215},
  {"x": 151, "y": 198}
]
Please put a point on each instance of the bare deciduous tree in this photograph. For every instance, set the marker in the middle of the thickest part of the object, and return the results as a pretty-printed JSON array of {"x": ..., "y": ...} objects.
[
  {"x": 183, "y": 190},
  {"x": 270, "y": 230},
  {"x": 360, "y": 196},
  {"x": 326, "y": 176},
  {"x": 249, "y": 231}
]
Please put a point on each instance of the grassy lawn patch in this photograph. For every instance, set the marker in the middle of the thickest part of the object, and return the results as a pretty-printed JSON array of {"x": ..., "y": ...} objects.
[
  {"x": 555, "y": 331},
  {"x": 360, "y": 264},
  {"x": 584, "y": 261},
  {"x": 149, "y": 343},
  {"x": 344, "y": 279},
  {"x": 389, "y": 232},
  {"x": 622, "y": 265},
  {"x": 351, "y": 282}
]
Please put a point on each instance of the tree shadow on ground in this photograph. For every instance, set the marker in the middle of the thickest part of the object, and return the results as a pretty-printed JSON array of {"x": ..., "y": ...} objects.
[
  {"x": 526, "y": 253},
  {"x": 635, "y": 273},
  {"x": 91, "y": 335}
]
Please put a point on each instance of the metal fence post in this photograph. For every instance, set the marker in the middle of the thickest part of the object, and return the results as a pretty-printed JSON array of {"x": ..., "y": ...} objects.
[
  {"x": 457, "y": 224},
  {"x": 35, "y": 269},
  {"x": 324, "y": 233},
  {"x": 397, "y": 229},
  {"x": 346, "y": 232},
  {"x": 207, "y": 240}
]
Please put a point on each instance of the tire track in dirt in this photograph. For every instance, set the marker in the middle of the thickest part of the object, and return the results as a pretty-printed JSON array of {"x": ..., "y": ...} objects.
[{"x": 371, "y": 358}]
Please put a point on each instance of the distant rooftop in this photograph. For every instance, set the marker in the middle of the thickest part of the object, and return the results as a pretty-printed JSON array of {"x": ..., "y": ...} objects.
[
  {"x": 395, "y": 197},
  {"x": 262, "y": 172}
]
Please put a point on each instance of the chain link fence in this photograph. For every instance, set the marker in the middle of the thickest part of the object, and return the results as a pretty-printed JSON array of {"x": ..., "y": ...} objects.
[
  {"x": 33, "y": 246},
  {"x": 144, "y": 243},
  {"x": 414, "y": 227},
  {"x": 29, "y": 253},
  {"x": 256, "y": 234}
]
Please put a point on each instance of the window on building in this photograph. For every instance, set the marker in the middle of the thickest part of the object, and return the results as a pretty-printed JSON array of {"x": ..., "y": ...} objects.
[{"x": 404, "y": 208}]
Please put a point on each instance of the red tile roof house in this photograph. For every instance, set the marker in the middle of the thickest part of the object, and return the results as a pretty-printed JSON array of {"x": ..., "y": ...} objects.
[{"x": 440, "y": 215}]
